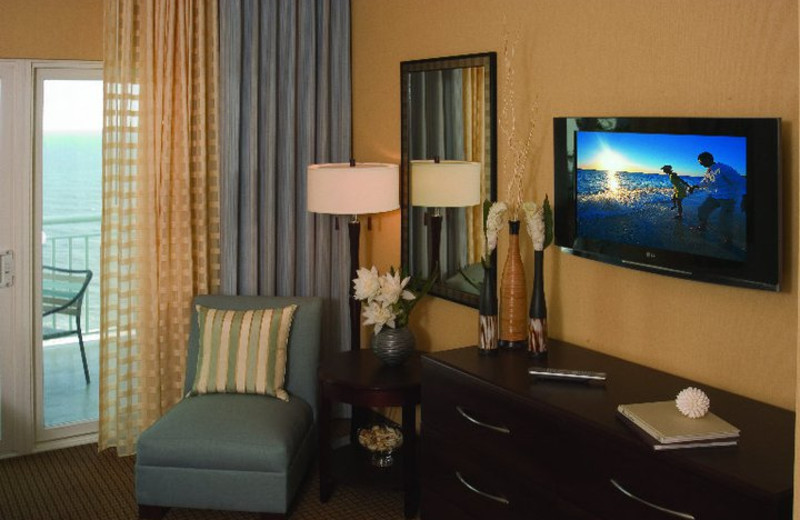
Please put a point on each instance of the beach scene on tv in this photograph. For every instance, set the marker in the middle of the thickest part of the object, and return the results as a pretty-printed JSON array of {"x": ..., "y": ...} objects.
[{"x": 682, "y": 193}]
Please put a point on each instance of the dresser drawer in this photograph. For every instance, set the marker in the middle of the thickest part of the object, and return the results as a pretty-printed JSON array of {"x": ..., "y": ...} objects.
[
  {"x": 488, "y": 425},
  {"x": 434, "y": 506},
  {"x": 479, "y": 484},
  {"x": 557, "y": 451},
  {"x": 623, "y": 482}
]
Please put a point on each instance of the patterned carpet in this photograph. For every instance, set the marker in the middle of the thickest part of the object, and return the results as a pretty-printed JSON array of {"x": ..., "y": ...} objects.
[{"x": 81, "y": 484}]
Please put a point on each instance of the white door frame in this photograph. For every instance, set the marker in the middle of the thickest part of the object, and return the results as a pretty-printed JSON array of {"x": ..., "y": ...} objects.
[
  {"x": 79, "y": 433},
  {"x": 16, "y": 332},
  {"x": 20, "y": 327}
]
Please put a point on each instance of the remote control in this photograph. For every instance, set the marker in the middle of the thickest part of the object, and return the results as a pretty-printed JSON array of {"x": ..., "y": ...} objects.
[{"x": 567, "y": 375}]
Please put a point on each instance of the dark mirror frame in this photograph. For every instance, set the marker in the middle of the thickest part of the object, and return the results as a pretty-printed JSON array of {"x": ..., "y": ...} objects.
[{"x": 487, "y": 60}]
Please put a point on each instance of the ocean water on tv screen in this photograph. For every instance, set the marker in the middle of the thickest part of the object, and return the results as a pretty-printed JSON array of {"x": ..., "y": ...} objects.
[{"x": 625, "y": 197}]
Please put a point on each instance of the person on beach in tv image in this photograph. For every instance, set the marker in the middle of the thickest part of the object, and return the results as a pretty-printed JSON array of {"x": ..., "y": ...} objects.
[
  {"x": 725, "y": 188},
  {"x": 679, "y": 189},
  {"x": 653, "y": 191}
]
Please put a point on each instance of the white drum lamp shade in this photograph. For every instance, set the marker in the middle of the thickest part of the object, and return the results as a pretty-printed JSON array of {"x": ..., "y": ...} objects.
[
  {"x": 445, "y": 184},
  {"x": 341, "y": 189}
]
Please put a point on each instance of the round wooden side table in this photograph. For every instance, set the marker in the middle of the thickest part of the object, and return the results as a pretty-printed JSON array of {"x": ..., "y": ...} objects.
[{"x": 358, "y": 378}]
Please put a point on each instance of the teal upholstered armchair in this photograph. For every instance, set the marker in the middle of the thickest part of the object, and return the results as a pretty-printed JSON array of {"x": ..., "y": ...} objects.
[{"x": 236, "y": 451}]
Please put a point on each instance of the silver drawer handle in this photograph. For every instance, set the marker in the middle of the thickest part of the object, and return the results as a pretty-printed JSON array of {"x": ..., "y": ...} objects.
[
  {"x": 496, "y": 498},
  {"x": 465, "y": 415},
  {"x": 628, "y": 494}
]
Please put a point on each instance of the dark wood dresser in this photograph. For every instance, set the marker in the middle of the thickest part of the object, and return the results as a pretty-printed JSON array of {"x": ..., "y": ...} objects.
[{"x": 499, "y": 444}]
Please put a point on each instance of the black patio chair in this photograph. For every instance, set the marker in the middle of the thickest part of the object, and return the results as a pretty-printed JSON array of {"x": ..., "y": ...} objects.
[{"x": 62, "y": 293}]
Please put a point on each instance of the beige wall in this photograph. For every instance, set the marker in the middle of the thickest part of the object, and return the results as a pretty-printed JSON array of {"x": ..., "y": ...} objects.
[
  {"x": 51, "y": 29},
  {"x": 615, "y": 57},
  {"x": 578, "y": 57}
]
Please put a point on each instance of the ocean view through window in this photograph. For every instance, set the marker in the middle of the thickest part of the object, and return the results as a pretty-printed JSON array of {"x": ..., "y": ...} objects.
[{"x": 71, "y": 181}]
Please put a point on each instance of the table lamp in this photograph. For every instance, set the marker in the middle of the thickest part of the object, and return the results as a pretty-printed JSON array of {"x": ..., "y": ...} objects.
[
  {"x": 444, "y": 184},
  {"x": 353, "y": 189}
]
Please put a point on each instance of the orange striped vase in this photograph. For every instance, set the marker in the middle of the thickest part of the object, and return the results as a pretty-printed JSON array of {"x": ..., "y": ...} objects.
[{"x": 513, "y": 295}]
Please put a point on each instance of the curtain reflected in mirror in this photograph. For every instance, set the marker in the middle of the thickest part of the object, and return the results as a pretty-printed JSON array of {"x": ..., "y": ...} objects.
[{"x": 449, "y": 114}]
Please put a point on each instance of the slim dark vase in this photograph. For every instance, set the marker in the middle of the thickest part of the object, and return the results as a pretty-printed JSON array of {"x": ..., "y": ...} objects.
[
  {"x": 487, "y": 314},
  {"x": 537, "y": 315}
]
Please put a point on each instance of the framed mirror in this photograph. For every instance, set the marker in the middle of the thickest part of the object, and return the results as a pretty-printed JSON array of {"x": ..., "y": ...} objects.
[{"x": 449, "y": 118}]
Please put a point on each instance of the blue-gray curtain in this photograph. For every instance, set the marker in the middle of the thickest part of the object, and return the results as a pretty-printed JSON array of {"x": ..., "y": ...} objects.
[{"x": 284, "y": 104}]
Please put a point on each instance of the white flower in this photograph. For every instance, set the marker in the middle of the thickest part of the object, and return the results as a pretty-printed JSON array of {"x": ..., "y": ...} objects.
[
  {"x": 367, "y": 285},
  {"x": 534, "y": 221},
  {"x": 494, "y": 223},
  {"x": 392, "y": 288},
  {"x": 387, "y": 299},
  {"x": 379, "y": 315}
]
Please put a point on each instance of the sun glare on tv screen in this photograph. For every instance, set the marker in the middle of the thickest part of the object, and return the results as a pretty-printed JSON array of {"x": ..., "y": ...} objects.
[{"x": 652, "y": 190}]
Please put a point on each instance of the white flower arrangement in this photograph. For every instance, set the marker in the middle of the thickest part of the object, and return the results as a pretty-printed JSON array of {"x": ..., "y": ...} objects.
[
  {"x": 493, "y": 222},
  {"x": 539, "y": 223},
  {"x": 388, "y": 298}
]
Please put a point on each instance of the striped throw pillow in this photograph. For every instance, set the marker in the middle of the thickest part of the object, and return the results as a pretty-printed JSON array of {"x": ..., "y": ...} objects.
[{"x": 243, "y": 351}]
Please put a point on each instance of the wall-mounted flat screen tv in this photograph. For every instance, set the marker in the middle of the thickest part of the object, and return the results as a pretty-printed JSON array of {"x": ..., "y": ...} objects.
[{"x": 697, "y": 198}]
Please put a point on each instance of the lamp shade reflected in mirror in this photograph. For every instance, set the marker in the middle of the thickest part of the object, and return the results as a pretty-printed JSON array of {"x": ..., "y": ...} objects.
[
  {"x": 443, "y": 184},
  {"x": 448, "y": 110}
]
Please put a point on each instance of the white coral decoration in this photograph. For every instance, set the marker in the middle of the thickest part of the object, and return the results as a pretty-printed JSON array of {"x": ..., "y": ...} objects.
[
  {"x": 534, "y": 222},
  {"x": 494, "y": 223},
  {"x": 692, "y": 402}
]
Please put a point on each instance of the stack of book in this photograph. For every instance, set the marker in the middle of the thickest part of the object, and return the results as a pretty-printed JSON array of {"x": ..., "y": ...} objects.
[{"x": 664, "y": 427}]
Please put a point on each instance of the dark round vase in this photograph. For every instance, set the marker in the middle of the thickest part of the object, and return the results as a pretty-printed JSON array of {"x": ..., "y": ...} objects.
[{"x": 393, "y": 346}]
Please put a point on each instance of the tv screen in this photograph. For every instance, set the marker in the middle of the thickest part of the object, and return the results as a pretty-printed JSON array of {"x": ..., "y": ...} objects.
[{"x": 697, "y": 198}]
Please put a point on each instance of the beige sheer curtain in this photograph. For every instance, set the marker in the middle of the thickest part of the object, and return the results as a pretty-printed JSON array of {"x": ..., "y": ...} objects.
[
  {"x": 160, "y": 203},
  {"x": 474, "y": 150}
]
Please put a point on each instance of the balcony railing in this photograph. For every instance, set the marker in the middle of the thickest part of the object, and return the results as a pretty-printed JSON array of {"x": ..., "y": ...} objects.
[{"x": 74, "y": 243}]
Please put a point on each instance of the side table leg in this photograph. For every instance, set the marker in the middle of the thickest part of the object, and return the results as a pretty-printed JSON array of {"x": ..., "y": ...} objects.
[
  {"x": 410, "y": 473},
  {"x": 325, "y": 479}
]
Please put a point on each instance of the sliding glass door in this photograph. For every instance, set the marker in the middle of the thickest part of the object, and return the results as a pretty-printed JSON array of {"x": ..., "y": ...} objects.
[
  {"x": 68, "y": 163},
  {"x": 16, "y": 414},
  {"x": 50, "y": 184},
  {"x": 6, "y": 285}
]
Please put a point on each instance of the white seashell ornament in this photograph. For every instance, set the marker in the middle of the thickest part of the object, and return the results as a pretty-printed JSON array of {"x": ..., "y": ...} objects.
[{"x": 693, "y": 402}]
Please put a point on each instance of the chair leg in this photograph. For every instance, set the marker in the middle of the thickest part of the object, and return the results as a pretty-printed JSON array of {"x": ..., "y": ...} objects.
[
  {"x": 152, "y": 512},
  {"x": 83, "y": 351}
]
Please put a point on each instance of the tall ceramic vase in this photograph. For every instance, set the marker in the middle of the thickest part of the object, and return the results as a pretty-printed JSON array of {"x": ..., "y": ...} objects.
[
  {"x": 487, "y": 314},
  {"x": 537, "y": 314},
  {"x": 513, "y": 295}
]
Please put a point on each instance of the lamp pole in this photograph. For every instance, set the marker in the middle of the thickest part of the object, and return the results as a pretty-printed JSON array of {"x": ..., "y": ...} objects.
[
  {"x": 354, "y": 229},
  {"x": 436, "y": 239}
]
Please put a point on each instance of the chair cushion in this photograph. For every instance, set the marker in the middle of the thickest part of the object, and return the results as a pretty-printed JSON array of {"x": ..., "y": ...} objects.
[
  {"x": 227, "y": 432},
  {"x": 243, "y": 351}
]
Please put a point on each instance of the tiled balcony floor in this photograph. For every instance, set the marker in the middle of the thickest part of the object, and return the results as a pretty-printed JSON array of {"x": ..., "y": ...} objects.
[{"x": 67, "y": 397}]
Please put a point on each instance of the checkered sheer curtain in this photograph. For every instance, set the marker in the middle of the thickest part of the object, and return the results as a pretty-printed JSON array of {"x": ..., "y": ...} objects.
[{"x": 160, "y": 243}]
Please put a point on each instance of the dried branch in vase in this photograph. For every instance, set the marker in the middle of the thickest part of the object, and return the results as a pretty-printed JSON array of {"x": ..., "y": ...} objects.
[{"x": 516, "y": 160}]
